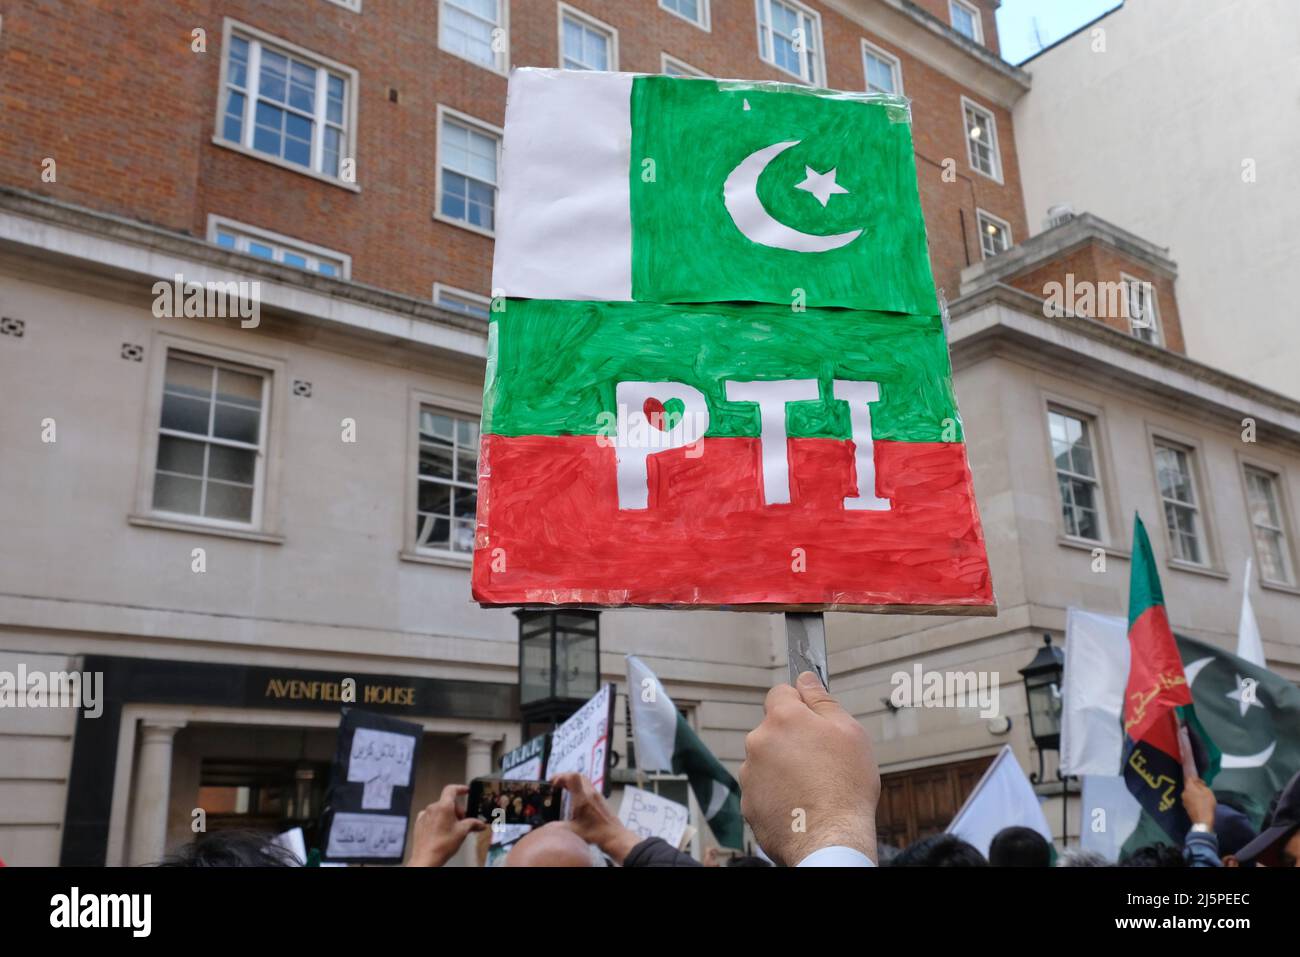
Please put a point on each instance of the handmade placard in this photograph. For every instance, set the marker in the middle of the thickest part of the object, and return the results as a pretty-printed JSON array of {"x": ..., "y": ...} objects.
[
  {"x": 717, "y": 370},
  {"x": 581, "y": 743},
  {"x": 370, "y": 789}
]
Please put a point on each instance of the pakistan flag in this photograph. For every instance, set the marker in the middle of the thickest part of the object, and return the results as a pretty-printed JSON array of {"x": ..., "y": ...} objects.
[
  {"x": 716, "y": 370},
  {"x": 1253, "y": 716}
]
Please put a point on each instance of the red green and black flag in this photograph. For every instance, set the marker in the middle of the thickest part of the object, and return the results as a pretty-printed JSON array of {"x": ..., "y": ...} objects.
[
  {"x": 1156, "y": 697},
  {"x": 717, "y": 371}
]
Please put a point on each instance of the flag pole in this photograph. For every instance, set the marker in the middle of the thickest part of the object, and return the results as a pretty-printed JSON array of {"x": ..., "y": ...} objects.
[{"x": 805, "y": 642}]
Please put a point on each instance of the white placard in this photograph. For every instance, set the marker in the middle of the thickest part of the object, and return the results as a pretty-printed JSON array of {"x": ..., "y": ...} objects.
[
  {"x": 582, "y": 743},
  {"x": 651, "y": 815},
  {"x": 382, "y": 761},
  {"x": 381, "y": 836}
]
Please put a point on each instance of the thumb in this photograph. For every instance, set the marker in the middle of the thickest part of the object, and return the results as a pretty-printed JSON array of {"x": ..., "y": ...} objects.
[{"x": 815, "y": 696}]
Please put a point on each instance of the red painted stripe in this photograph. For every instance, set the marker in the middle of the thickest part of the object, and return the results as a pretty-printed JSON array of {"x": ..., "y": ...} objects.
[{"x": 548, "y": 510}]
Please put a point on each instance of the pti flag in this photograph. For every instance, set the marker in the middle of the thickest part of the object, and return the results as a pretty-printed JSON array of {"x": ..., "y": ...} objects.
[
  {"x": 717, "y": 372},
  {"x": 665, "y": 742},
  {"x": 1156, "y": 694}
]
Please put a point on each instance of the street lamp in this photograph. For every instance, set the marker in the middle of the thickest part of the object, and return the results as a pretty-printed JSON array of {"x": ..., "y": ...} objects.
[
  {"x": 1043, "y": 692},
  {"x": 559, "y": 665}
]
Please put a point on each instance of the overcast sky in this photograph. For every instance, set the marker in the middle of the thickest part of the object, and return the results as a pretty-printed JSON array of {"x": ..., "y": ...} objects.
[{"x": 1055, "y": 19}]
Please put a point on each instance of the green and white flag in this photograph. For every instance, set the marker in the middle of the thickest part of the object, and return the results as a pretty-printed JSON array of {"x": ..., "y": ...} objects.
[
  {"x": 640, "y": 162},
  {"x": 665, "y": 742},
  {"x": 1252, "y": 715}
]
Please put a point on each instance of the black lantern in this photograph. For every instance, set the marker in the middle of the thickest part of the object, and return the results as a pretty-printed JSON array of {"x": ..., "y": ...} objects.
[
  {"x": 1043, "y": 692},
  {"x": 559, "y": 665}
]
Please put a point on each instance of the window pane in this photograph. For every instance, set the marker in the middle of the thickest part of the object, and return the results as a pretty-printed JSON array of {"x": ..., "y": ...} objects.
[
  {"x": 185, "y": 414},
  {"x": 229, "y": 502},
  {"x": 334, "y": 95},
  {"x": 466, "y": 502},
  {"x": 293, "y": 259},
  {"x": 230, "y": 465},
  {"x": 237, "y": 62},
  {"x": 239, "y": 388},
  {"x": 433, "y": 532},
  {"x": 433, "y": 424},
  {"x": 261, "y": 249},
  {"x": 467, "y": 432},
  {"x": 180, "y": 455},
  {"x": 274, "y": 76},
  {"x": 174, "y": 494},
  {"x": 302, "y": 87},
  {"x": 236, "y": 423},
  {"x": 233, "y": 126},
  {"x": 463, "y": 537},
  {"x": 467, "y": 465},
  {"x": 435, "y": 462},
  {"x": 435, "y": 497},
  {"x": 188, "y": 378}
]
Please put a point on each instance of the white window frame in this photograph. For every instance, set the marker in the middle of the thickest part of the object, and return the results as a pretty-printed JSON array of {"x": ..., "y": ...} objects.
[
  {"x": 464, "y": 119},
  {"x": 265, "y": 512},
  {"x": 981, "y": 217},
  {"x": 502, "y": 59},
  {"x": 1132, "y": 283},
  {"x": 767, "y": 52},
  {"x": 995, "y": 146},
  {"x": 703, "y": 23},
  {"x": 565, "y": 11},
  {"x": 257, "y": 39},
  {"x": 439, "y": 288},
  {"x": 1161, "y": 438},
  {"x": 447, "y": 405},
  {"x": 683, "y": 68},
  {"x": 1278, "y": 477},
  {"x": 869, "y": 49},
  {"x": 1092, "y": 423},
  {"x": 309, "y": 251},
  {"x": 353, "y": 5},
  {"x": 976, "y": 17}
]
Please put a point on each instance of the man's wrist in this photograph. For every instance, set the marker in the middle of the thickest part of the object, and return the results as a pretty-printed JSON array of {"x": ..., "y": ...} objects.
[{"x": 618, "y": 843}]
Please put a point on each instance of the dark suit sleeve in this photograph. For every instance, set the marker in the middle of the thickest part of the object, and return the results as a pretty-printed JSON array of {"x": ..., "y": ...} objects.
[{"x": 656, "y": 852}]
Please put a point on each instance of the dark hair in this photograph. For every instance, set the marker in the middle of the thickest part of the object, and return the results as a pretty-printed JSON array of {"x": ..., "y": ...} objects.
[
  {"x": 939, "y": 850},
  {"x": 748, "y": 860},
  {"x": 1020, "y": 847},
  {"x": 1154, "y": 855},
  {"x": 231, "y": 848}
]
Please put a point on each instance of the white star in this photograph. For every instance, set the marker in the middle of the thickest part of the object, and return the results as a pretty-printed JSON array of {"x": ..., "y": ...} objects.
[
  {"x": 821, "y": 185},
  {"x": 1245, "y": 694}
]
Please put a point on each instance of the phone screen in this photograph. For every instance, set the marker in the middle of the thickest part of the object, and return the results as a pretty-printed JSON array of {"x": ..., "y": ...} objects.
[{"x": 499, "y": 801}]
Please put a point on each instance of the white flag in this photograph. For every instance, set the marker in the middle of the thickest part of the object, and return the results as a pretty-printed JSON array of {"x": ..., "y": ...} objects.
[
  {"x": 1096, "y": 669},
  {"x": 1003, "y": 798},
  {"x": 1249, "y": 644}
]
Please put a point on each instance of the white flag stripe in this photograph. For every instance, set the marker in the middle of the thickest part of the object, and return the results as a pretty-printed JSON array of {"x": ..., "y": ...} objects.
[
  {"x": 1105, "y": 833},
  {"x": 1096, "y": 670},
  {"x": 564, "y": 215},
  {"x": 1003, "y": 798},
  {"x": 654, "y": 718},
  {"x": 1249, "y": 644}
]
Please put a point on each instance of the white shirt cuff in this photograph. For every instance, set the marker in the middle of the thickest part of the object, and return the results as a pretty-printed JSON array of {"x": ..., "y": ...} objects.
[{"x": 836, "y": 856}]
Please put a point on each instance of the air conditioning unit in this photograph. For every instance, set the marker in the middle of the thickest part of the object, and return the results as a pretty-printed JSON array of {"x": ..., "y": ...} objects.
[{"x": 1058, "y": 215}]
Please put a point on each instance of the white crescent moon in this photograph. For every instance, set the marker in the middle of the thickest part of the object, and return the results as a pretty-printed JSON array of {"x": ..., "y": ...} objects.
[
  {"x": 740, "y": 193},
  {"x": 1257, "y": 760}
]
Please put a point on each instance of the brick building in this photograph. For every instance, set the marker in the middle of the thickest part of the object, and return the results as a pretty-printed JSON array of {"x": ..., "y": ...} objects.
[{"x": 343, "y": 154}]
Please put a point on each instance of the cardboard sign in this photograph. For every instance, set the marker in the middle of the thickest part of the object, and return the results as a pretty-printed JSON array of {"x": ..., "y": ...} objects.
[
  {"x": 652, "y": 815},
  {"x": 371, "y": 782},
  {"x": 582, "y": 743},
  {"x": 718, "y": 372}
]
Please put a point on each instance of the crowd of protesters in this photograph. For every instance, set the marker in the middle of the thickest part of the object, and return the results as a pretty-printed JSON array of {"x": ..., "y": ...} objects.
[{"x": 808, "y": 753}]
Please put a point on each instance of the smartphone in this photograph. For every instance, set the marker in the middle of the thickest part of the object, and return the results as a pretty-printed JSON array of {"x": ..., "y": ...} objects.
[{"x": 499, "y": 801}]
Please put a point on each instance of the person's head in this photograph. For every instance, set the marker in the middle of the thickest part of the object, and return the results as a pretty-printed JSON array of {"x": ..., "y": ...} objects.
[
  {"x": 231, "y": 848},
  {"x": 551, "y": 845},
  {"x": 748, "y": 860},
  {"x": 939, "y": 850},
  {"x": 1073, "y": 857},
  {"x": 1278, "y": 844},
  {"x": 1154, "y": 855},
  {"x": 1020, "y": 847}
]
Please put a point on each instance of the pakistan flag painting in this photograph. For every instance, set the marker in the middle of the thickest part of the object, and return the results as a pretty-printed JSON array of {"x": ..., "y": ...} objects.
[{"x": 717, "y": 371}]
